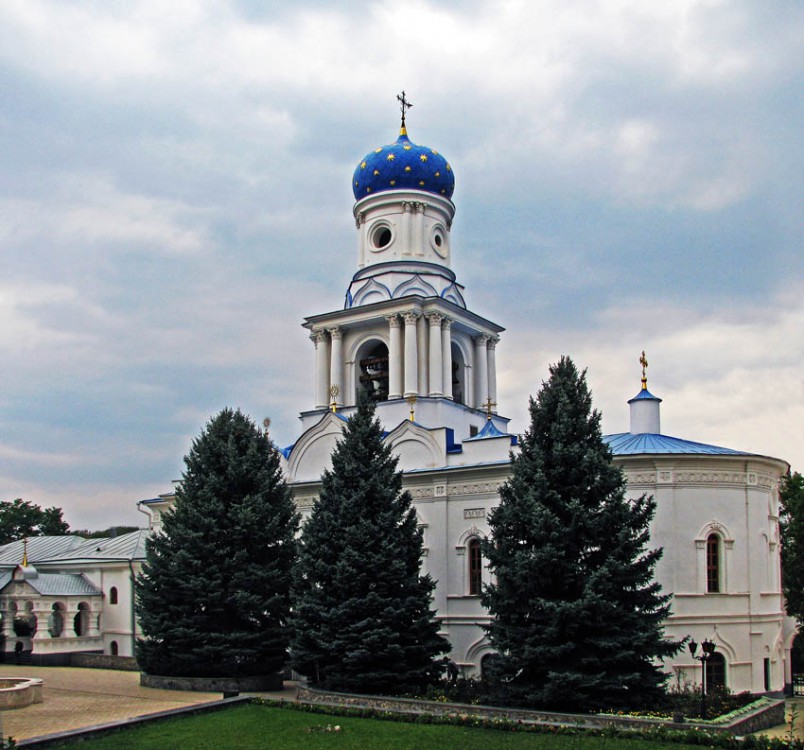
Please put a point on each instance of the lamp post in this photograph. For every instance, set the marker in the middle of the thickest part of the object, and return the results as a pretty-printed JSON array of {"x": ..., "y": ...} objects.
[{"x": 707, "y": 652}]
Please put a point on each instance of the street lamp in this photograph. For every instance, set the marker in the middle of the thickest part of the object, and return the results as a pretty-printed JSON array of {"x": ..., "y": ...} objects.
[{"x": 707, "y": 652}]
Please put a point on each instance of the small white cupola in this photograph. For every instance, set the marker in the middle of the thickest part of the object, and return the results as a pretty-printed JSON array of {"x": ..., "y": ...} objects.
[{"x": 645, "y": 417}]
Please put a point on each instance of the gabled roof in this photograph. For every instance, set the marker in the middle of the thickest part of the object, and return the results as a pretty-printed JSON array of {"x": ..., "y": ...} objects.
[
  {"x": 55, "y": 584},
  {"x": 129, "y": 546},
  {"x": 629, "y": 444},
  {"x": 39, "y": 548},
  {"x": 490, "y": 430}
]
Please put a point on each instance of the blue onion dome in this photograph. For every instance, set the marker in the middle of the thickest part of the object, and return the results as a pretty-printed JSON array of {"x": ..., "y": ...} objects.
[{"x": 403, "y": 165}]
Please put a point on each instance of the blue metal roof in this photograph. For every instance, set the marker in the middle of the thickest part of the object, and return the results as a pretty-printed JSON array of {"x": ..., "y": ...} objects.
[
  {"x": 645, "y": 395},
  {"x": 490, "y": 430},
  {"x": 628, "y": 444},
  {"x": 403, "y": 165}
]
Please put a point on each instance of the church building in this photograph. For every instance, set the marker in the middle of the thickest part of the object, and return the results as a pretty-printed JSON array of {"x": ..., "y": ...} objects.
[{"x": 406, "y": 339}]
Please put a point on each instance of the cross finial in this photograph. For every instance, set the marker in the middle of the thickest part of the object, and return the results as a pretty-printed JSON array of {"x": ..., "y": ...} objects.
[
  {"x": 404, "y": 105},
  {"x": 489, "y": 405},
  {"x": 644, "y": 362},
  {"x": 334, "y": 390},
  {"x": 412, "y": 404}
]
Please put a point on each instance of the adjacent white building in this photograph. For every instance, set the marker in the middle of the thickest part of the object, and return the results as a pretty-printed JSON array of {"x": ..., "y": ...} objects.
[{"x": 406, "y": 339}]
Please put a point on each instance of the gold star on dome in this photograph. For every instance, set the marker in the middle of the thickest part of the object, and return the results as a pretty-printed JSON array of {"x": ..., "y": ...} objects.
[
  {"x": 407, "y": 148},
  {"x": 362, "y": 165},
  {"x": 423, "y": 157},
  {"x": 443, "y": 192},
  {"x": 449, "y": 168},
  {"x": 368, "y": 189},
  {"x": 421, "y": 183},
  {"x": 376, "y": 172},
  {"x": 390, "y": 157},
  {"x": 393, "y": 182},
  {"x": 407, "y": 169},
  {"x": 433, "y": 152},
  {"x": 356, "y": 183},
  {"x": 438, "y": 174}
]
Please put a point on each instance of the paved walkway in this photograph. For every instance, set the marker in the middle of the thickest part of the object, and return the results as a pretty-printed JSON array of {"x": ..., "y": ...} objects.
[{"x": 75, "y": 698}]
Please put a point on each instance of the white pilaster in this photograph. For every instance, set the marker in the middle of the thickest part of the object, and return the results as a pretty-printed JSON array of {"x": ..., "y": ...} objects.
[
  {"x": 394, "y": 357},
  {"x": 336, "y": 363},
  {"x": 492, "y": 368},
  {"x": 481, "y": 370},
  {"x": 436, "y": 366},
  {"x": 446, "y": 357},
  {"x": 411, "y": 355},
  {"x": 407, "y": 226},
  {"x": 319, "y": 339},
  {"x": 424, "y": 361}
]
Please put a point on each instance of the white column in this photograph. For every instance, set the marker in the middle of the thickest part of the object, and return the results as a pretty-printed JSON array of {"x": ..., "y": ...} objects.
[
  {"x": 481, "y": 370},
  {"x": 436, "y": 366},
  {"x": 492, "y": 362},
  {"x": 407, "y": 231},
  {"x": 446, "y": 357},
  {"x": 319, "y": 339},
  {"x": 411, "y": 355},
  {"x": 336, "y": 363},
  {"x": 394, "y": 357},
  {"x": 424, "y": 360}
]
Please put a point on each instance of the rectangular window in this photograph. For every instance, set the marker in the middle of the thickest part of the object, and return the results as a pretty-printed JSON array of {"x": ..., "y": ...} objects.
[{"x": 713, "y": 564}]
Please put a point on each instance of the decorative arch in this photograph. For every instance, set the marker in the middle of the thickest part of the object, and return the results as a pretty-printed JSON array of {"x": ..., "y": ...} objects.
[
  {"x": 371, "y": 368},
  {"x": 55, "y": 620},
  {"x": 416, "y": 446},
  {"x": 478, "y": 650},
  {"x": 371, "y": 291},
  {"x": 313, "y": 450},
  {"x": 113, "y": 595},
  {"x": 415, "y": 286},
  {"x": 452, "y": 294},
  {"x": 461, "y": 370}
]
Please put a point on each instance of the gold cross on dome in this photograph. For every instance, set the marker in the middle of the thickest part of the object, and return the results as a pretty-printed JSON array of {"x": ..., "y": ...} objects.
[
  {"x": 644, "y": 362},
  {"x": 411, "y": 403},
  {"x": 489, "y": 405},
  {"x": 404, "y": 105}
]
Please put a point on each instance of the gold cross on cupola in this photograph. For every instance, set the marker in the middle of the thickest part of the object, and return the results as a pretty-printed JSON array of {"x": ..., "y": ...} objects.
[
  {"x": 643, "y": 360},
  {"x": 404, "y": 105},
  {"x": 411, "y": 399},
  {"x": 489, "y": 406}
]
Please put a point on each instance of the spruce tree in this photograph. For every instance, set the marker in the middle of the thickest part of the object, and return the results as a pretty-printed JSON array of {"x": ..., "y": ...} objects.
[
  {"x": 791, "y": 527},
  {"x": 577, "y": 612},
  {"x": 362, "y": 618},
  {"x": 213, "y": 597}
]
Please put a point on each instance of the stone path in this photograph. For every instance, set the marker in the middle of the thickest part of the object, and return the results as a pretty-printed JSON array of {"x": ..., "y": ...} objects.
[{"x": 75, "y": 698}]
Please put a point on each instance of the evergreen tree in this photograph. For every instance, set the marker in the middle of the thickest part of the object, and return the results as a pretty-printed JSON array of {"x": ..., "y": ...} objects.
[
  {"x": 791, "y": 496},
  {"x": 362, "y": 617},
  {"x": 577, "y": 613},
  {"x": 213, "y": 598}
]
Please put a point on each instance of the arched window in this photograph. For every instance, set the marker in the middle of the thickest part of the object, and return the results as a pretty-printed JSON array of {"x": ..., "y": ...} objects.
[
  {"x": 715, "y": 673},
  {"x": 475, "y": 568},
  {"x": 458, "y": 390},
  {"x": 372, "y": 372},
  {"x": 113, "y": 648},
  {"x": 81, "y": 620},
  {"x": 56, "y": 621},
  {"x": 713, "y": 564},
  {"x": 113, "y": 595}
]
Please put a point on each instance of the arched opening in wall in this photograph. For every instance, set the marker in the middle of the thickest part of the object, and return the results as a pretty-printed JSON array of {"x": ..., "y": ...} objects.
[
  {"x": 713, "y": 564},
  {"x": 372, "y": 371},
  {"x": 113, "y": 595},
  {"x": 81, "y": 620},
  {"x": 113, "y": 648},
  {"x": 55, "y": 622},
  {"x": 25, "y": 622},
  {"x": 475, "y": 567},
  {"x": 715, "y": 673},
  {"x": 489, "y": 666},
  {"x": 458, "y": 375}
]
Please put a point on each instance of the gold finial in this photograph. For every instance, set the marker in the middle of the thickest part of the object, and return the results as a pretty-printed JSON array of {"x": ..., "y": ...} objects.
[
  {"x": 404, "y": 105},
  {"x": 25, "y": 552},
  {"x": 644, "y": 362},
  {"x": 334, "y": 390},
  {"x": 266, "y": 423},
  {"x": 411, "y": 399},
  {"x": 489, "y": 405}
]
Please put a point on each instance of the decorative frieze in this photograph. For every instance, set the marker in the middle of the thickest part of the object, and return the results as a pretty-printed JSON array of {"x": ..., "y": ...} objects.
[
  {"x": 474, "y": 513},
  {"x": 305, "y": 502},
  {"x": 474, "y": 488}
]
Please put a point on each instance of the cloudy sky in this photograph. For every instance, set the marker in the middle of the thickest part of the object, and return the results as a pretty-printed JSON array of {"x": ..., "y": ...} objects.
[{"x": 175, "y": 198}]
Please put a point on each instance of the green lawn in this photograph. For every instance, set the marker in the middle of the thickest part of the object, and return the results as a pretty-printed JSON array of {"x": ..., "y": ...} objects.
[{"x": 253, "y": 727}]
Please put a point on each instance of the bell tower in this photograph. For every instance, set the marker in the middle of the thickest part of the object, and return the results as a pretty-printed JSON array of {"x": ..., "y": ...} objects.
[{"x": 405, "y": 334}]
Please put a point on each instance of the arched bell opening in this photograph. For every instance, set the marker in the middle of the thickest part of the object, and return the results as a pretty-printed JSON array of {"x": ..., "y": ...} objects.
[
  {"x": 458, "y": 375},
  {"x": 372, "y": 372}
]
